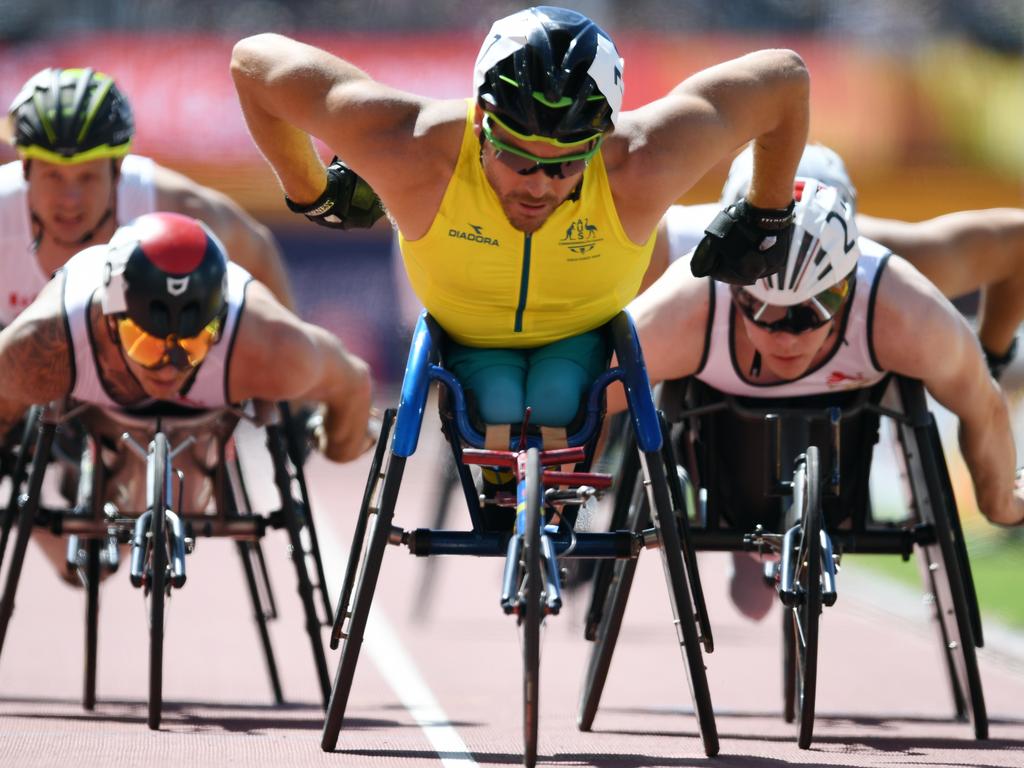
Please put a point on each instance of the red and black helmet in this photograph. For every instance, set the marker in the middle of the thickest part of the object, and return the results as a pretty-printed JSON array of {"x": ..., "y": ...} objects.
[{"x": 167, "y": 272}]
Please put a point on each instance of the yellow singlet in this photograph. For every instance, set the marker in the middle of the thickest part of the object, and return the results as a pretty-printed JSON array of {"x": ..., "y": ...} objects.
[{"x": 490, "y": 285}]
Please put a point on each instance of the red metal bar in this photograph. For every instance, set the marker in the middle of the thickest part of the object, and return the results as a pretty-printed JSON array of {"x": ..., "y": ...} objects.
[
  {"x": 592, "y": 479},
  {"x": 489, "y": 458},
  {"x": 562, "y": 456}
]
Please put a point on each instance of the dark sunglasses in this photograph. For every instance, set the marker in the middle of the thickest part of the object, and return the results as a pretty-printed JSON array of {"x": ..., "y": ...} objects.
[
  {"x": 524, "y": 163},
  {"x": 798, "y": 318}
]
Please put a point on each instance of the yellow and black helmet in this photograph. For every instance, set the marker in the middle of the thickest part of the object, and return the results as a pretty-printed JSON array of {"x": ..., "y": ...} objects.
[{"x": 71, "y": 116}]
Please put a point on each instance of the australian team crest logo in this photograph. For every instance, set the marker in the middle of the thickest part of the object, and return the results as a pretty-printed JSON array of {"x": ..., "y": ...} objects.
[{"x": 581, "y": 237}]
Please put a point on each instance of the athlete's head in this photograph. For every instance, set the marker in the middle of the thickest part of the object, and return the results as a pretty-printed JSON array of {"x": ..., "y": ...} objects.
[
  {"x": 164, "y": 292},
  {"x": 788, "y": 316},
  {"x": 817, "y": 162},
  {"x": 548, "y": 84},
  {"x": 71, "y": 127}
]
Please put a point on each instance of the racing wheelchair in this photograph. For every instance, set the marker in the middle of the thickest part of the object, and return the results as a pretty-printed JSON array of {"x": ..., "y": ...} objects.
[
  {"x": 790, "y": 478},
  {"x": 160, "y": 512},
  {"x": 545, "y": 503}
]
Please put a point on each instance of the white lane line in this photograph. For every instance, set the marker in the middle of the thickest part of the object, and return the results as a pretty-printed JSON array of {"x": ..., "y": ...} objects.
[{"x": 397, "y": 667}]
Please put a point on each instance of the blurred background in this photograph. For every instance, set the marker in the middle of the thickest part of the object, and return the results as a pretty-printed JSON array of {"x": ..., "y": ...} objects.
[{"x": 923, "y": 98}]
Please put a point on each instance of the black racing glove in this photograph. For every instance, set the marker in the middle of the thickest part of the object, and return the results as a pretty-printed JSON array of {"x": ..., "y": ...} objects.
[
  {"x": 997, "y": 364},
  {"x": 347, "y": 203},
  {"x": 744, "y": 243}
]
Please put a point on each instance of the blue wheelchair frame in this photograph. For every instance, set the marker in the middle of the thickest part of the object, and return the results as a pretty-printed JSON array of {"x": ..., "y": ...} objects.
[{"x": 650, "y": 429}]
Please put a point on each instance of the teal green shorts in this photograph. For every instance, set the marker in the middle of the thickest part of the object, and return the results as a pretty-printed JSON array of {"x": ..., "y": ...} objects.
[{"x": 552, "y": 380}]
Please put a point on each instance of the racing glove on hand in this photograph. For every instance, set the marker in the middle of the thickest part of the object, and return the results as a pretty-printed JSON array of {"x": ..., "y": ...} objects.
[
  {"x": 744, "y": 243},
  {"x": 348, "y": 202},
  {"x": 997, "y": 364}
]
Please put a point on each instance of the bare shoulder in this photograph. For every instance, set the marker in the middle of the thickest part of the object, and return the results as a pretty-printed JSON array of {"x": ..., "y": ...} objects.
[
  {"x": 911, "y": 319},
  {"x": 180, "y": 194},
  {"x": 672, "y": 318},
  {"x": 271, "y": 347},
  {"x": 34, "y": 349},
  {"x": 412, "y": 173}
]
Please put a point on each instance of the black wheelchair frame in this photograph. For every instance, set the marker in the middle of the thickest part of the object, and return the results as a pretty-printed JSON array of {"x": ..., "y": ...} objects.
[
  {"x": 828, "y": 514},
  {"x": 160, "y": 537},
  {"x": 530, "y": 584}
]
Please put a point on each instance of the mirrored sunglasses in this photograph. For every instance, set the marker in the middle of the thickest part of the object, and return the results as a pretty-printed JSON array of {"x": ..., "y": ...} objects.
[
  {"x": 524, "y": 163},
  {"x": 798, "y": 318},
  {"x": 155, "y": 352}
]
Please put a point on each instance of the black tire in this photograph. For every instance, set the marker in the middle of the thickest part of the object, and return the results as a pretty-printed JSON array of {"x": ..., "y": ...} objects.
[
  {"x": 366, "y": 583},
  {"x": 667, "y": 528},
  {"x": 293, "y": 522},
  {"x": 607, "y": 569},
  {"x": 945, "y": 561},
  {"x": 26, "y": 519},
  {"x": 788, "y": 669},
  {"x": 247, "y": 551},
  {"x": 160, "y": 469},
  {"x": 532, "y": 609},
  {"x": 806, "y": 615},
  {"x": 18, "y": 476},
  {"x": 92, "y": 614},
  {"x": 954, "y": 615},
  {"x": 374, "y": 481},
  {"x": 613, "y": 592}
]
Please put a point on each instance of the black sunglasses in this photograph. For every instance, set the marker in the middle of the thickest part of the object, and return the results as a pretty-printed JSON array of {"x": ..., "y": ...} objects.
[{"x": 809, "y": 315}]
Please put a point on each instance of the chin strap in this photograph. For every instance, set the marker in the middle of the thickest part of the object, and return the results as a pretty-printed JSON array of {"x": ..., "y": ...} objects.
[{"x": 755, "y": 365}]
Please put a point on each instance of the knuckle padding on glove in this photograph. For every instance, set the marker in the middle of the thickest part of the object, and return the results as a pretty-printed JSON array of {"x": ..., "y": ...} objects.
[
  {"x": 348, "y": 202},
  {"x": 742, "y": 244}
]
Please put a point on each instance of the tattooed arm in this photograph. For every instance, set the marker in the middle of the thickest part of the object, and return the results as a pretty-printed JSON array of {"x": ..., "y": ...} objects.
[{"x": 35, "y": 359}]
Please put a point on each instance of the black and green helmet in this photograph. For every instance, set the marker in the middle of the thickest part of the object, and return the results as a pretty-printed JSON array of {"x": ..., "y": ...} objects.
[
  {"x": 71, "y": 116},
  {"x": 550, "y": 73}
]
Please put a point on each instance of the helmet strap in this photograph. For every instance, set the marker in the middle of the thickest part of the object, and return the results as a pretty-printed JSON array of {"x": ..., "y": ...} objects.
[{"x": 755, "y": 365}]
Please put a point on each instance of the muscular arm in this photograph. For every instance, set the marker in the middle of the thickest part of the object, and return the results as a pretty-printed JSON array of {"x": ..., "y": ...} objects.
[
  {"x": 248, "y": 242},
  {"x": 963, "y": 252},
  {"x": 673, "y": 141},
  {"x": 279, "y": 357},
  {"x": 959, "y": 252},
  {"x": 402, "y": 144},
  {"x": 34, "y": 356},
  {"x": 671, "y": 319},
  {"x": 920, "y": 335}
]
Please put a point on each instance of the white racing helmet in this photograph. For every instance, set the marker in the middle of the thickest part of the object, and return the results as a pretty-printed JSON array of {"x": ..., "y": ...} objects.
[
  {"x": 817, "y": 162},
  {"x": 823, "y": 253}
]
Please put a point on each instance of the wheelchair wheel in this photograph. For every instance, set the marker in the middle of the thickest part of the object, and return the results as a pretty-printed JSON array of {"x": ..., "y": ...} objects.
[
  {"x": 671, "y": 548},
  {"x": 364, "y": 575},
  {"x": 607, "y": 570},
  {"x": 297, "y": 517},
  {"x": 612, "y": 584},
  {"x": 159, "y": 469},
  {"x": 370, "y": 498},
  {"x": 531, "y": 608},
  {"x": 804, "y": 617},
  {"x": 92, "y": 615},
  {"x": 944, "y": 562},
  {"x": 26, "y": 519},
  {"x": 788, "y": 669},
  {"x": 18, "y": 475},
  {"x": 953, "y": 614}
]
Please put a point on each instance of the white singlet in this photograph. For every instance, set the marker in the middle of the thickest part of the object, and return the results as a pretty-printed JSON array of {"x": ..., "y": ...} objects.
[
  {"x": 22, "y": 277},
  {"x": 83, "y": 275},
  {"x": 851, "y": 365}
]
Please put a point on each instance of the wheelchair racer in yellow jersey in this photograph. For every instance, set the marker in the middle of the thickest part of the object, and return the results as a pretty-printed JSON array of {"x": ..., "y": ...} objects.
[{"x": 527, "y": 215}]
